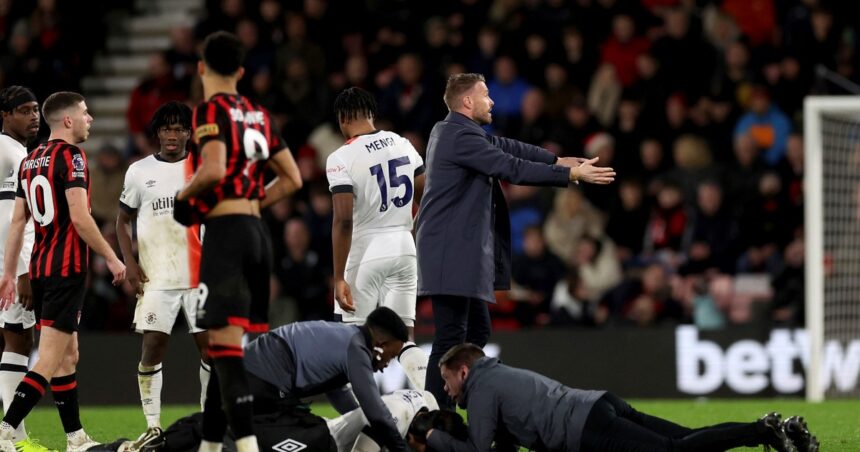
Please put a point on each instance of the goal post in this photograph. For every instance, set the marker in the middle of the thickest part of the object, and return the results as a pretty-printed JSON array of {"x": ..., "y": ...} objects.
[{"x": 832, "y": 231}]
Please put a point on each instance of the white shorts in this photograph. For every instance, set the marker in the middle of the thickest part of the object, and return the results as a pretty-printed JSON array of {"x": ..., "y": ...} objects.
[
  {"x": 157, "y": 310},
  {"x": 16, "y": 318},
  {"x": 391, "y": 282}
]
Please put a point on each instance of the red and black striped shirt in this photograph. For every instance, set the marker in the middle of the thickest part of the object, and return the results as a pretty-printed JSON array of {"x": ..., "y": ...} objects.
[
  {"x": 43, "y": 178},
  {"x": 249, "y": 134}
]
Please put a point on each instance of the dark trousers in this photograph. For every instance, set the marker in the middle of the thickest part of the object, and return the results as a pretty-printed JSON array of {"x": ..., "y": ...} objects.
[
  {"x": 457, "y": 320},
  {"x": 614, "y": 426}
]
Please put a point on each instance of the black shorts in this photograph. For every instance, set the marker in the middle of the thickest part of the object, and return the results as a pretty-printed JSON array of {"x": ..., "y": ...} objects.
[
  {"x": 58, "y": 301},
  {"x": 235, "y": 265}
]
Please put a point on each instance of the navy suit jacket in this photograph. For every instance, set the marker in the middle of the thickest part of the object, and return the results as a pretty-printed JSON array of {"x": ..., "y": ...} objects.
[{"x": 464, "y": 230}]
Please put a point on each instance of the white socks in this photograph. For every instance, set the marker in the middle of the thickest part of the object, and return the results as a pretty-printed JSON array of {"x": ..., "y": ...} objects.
[
  {"x": 247, "y": 444},
  {"x": 150, "y": 380},
  {"x": 413, "y": 360},
  {"x": 6, "y": 431},
  {"x": 205, "y": 373},
  {"x": 206, "y": 446},
  {"x": 13, "y": 367}
]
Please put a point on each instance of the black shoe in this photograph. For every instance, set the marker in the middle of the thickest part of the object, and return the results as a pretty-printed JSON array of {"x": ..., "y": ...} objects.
[
  {"x": 775, "y": 436},
  {"x": 798, "y": 432}
]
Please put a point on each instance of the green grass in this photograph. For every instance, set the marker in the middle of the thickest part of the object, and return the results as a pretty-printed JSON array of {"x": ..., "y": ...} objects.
[{"x": 836, "y": 423}]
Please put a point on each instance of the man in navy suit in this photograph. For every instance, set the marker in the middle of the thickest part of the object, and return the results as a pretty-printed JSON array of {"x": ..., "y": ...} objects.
[{"x": 464, "y": 231}]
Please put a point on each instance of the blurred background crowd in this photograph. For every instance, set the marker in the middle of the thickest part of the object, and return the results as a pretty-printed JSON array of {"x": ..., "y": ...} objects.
[{"x": 696, "y": 103}]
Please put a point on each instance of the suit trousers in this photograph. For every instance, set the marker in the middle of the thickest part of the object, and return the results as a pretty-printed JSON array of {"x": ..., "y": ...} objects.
[{"x": 457, "y": 320}]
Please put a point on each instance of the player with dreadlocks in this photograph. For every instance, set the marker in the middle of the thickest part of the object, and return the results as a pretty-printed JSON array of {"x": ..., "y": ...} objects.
[
  {"x": 374, "y": 179},
  {"x": 21, "y": 118},
  {"x": 165, "y": 276}
]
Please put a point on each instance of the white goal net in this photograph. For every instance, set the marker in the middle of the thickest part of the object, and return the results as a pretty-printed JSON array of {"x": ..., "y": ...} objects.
[{"x": 832, "y": 228}]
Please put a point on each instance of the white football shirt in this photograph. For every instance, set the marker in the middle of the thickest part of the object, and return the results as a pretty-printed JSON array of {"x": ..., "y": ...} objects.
[
  {"x": 169, "y": 252},
  {"x": 11, "y": 154},
  {"x": 403, "y": 404},
  {"x": 379, "y": 169}
]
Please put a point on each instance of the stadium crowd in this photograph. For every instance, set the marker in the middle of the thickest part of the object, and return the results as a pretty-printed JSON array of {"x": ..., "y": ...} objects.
[{"x": 696, "y": 104}]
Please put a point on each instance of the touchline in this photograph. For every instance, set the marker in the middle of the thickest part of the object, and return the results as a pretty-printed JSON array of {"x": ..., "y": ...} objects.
[{"x": 749, "y": 366}]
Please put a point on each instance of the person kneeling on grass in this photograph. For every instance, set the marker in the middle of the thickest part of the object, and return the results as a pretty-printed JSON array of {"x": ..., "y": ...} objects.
[{"x": 544, "y": 415}]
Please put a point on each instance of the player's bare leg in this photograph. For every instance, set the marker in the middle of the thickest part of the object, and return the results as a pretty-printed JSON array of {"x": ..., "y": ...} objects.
[{"x": 13, "y": 367}]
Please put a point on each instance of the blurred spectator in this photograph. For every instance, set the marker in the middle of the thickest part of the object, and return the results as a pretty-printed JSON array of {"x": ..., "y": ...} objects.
[
  {"x": 572, "y": 218},
  {"x": 734, "y": 76},
  {"x": 767, "y": 217},
  {"x": 651, "y": 89},
  {"x": 298, "y": 47},
  {"x": 108, "y": 174},
  {"x": 488, "y": 46},
  {"x": 604, "y": 95},
  {"x": 525, "y": 208},
  {"x": 676, "y": 120},
  {"x": 576, "y": 125},
  {"x": 302, "y": 279},
  {"x": 535, "y": 273},
  {"x": 686, "y": 59},
  {"x": 536, "y": 59},
  {"x": 570, "y": 304},
  {"x": 157, "y": 87},
  {"x": 816, "y": 40},
  {"x": 559, "y": 91},
  {"x": 224, "y": 17},
  {"x": 182, "y": 55},
  {"x": 791, "y": 172},
  {"x": 409, "y": 101},
  {"x": 652, "y": 164},
  {"x": 712, "y": 233},
  {"x": 306, "y": 97},
  {"x": 767, "y": 125},
  {"x": 627, "y": 133},
  {"x": 692, "y": 158},
  {"x": 579, "y": 60},
  {"x": 259, "y": 55},
  {"x": 742, "y": 180},
  {"x": 641, "y": 301},
  {"x": 507, "y": 90},
  {"x": 665, "y": 232},
  {"x": 601, "y": 145},
  {"x": 598, "y": 266},
  {"x": 720, "y": 29},
  {"x": 756, "y": 19},
  {"x": 271, "y": 17},
  {"x": 534, "y": 125},
  {"x": 623, "y": 48},
  {"x": 318, "y": 219},
  {"x": 788, "y": 287},
  {"x": 628, "y": 219},
  {"x": 437, "y": 52}
]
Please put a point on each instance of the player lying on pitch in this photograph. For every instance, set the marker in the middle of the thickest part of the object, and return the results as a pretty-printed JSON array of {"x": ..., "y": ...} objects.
[{"x": 542, "y": 414}]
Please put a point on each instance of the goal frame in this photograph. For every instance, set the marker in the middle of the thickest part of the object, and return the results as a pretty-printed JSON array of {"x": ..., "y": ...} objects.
[{"x": 813, "y": 213}]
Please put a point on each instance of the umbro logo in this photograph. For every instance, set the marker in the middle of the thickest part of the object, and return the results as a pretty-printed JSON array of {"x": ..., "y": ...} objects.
[
  {"x": 150, "y": 183},
  {"x": 289, "y": 445}
]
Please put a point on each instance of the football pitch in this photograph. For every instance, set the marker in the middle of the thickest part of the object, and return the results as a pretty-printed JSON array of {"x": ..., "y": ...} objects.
[{"x": 836, "y": 423}]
